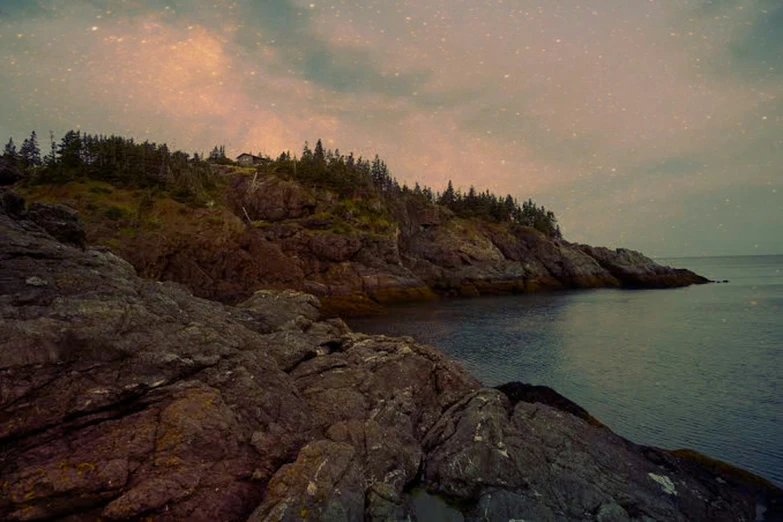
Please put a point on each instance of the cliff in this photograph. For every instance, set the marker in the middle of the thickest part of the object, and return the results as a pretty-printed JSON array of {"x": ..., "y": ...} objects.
[
  {"x": 261, "y": 231},
  {"x": 126, "y": 399}
]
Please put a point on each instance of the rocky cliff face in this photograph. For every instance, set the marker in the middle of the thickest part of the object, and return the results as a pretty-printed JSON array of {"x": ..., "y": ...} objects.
[
  {"x": 129, "y": 399},
  {"x": 275, "y": 234}
]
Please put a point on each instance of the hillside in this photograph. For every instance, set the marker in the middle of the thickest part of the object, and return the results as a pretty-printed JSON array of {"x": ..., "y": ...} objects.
[{"x": 335, "y": 226}]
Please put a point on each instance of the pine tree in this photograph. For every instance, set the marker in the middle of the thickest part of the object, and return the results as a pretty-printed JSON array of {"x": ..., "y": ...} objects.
[
  {"x": 51, "y": 158},
  {"x": 318, "y": 154},
  {"x": 71, "y": 150},
  {"x": 9, "y": 152},
  {"x": 448, "y": 197},
  {"x": 30, "y": 153},
  {"x": 307, "y": 154}
]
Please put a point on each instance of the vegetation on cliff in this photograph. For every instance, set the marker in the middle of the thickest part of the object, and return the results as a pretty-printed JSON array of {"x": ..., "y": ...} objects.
[{"x": 127, "y": 163}]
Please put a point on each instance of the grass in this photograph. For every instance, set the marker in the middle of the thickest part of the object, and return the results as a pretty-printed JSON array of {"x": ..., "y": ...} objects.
[{"x": 114, "y": 215}]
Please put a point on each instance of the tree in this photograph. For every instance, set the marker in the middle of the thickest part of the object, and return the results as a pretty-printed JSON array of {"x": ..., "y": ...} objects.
[
  {"x": 70, "y": 150},
  {"x": 448, "y": 197},
  {"x": 318, "y": 154},
  {"x": 30, "y": 153},
  {"x": 307, "y": 154},
  {"x": 9, "y": 152},
  {"x": 51, "y": 158}
]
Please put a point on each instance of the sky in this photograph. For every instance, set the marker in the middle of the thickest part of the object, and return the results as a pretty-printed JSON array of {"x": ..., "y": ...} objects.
[{"x": 655, "y": 125}]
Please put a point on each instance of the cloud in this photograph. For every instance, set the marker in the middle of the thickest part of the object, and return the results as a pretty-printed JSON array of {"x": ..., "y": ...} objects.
[
  {"x": 615, "y": 114},
  {"x": 754, "y": 35}
]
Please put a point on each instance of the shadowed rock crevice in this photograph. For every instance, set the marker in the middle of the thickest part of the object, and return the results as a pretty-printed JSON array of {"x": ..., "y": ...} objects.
[{"x": 127, "y": 399}]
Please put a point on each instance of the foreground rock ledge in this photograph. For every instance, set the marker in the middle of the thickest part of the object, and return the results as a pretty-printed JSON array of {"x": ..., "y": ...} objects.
[{"x": 126, "y": 399}]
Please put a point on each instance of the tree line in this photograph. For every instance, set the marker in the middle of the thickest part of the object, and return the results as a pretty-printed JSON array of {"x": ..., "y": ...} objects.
[
  {"x": 487, "y": 206},
  {"x": 113, "y": 159},
  {"x": 125, "y": 161},
  {"x": 359, "y": 177}
]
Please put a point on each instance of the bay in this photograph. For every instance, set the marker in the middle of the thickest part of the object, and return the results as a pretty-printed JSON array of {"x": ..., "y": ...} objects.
[{"x": 699, "y": 367}]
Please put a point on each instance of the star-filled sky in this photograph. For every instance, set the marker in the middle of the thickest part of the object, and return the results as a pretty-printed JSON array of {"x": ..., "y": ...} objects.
[{"x": 651, "y": 124}]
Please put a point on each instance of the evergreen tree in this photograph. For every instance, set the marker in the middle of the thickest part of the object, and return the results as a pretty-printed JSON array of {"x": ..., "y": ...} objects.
[
  {"x": 30, "y": 153},
  {"x": 51, "y": 158},
  {"x": 9, "y": 152},
  {"x": 318, "y": 153},
  {"x": 448, "y": 197},
  {"x": 70, "y": 150},
  {"x": 307, "y": 154}
]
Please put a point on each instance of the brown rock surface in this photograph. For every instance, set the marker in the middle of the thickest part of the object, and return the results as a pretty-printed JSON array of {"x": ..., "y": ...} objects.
[{"x": 127, "y": 399}]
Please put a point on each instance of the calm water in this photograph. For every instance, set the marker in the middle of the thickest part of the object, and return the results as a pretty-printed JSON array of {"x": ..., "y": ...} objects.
[{"x": 698, "y": 367}]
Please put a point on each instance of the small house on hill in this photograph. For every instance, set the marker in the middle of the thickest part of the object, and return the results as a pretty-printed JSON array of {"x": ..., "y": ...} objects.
[{"x": 249, "y": 160}]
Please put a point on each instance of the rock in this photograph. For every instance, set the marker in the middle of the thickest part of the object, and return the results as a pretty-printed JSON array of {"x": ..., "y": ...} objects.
[
  {"x": 268, "y": 310},
  {"x": 270, "y": 198},
  {"x": 325, "y": 483},
  {"x": 112, "y": 389},
  {"x": 60, "y": 221},
  {"x": 612, "y": 513},
  {"x": 635, "y": 270},
  {"x": 519, "y": 391},
  {"x": 127, "y": 399},
  {"x": 334, "y": 247},
  {"x": 11, "y": 203},
  {"x": 534, "y": 462}
]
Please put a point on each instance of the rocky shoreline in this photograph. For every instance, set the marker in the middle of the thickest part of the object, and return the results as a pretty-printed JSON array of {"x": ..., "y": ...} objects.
[
  {"x": 128, "y": 399},
  {"x": 357, "y": 256}
]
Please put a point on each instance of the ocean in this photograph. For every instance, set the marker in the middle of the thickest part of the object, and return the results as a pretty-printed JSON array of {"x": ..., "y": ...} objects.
[{"x": 699, "y": 367}]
